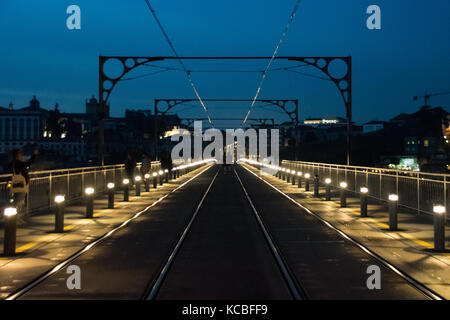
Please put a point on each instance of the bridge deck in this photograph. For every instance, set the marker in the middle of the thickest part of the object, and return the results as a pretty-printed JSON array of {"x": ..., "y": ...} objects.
[
  {"x": 409, "y": 249},
  {"x": 38, "y": 249},
  {"x": 225, "y": 254}
]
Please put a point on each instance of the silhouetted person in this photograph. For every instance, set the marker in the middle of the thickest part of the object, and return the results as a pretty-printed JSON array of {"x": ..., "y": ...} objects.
[
  {"x": 166, "y": 161},
  {"x": 146, "y": 164},
  {"x": 130, "y": 168},
  {"x": 20, "y": 181}
]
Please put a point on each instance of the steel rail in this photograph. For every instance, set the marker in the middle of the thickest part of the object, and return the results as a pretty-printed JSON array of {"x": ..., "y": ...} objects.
[
  {"x": 165, "y": 269},
  {"x": 62, "y": 264},
  {"x": 297, "y": 292},
  {"x": 427, "y": 292}
]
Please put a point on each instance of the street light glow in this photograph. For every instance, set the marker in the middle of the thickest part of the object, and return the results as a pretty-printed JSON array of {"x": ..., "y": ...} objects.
[
  {"x": 299, "y": 174},
  {"x": 89, "y": 191},
  {"x": 440, "y": 209},
  {"x": 155, "y": 174},
  {"x": 393, "y": 197},
  {"x": 146, "y": 176},
  {"x": 138, "y": 178},
  {"x": 327, "y": 180},
  {"x": 110, "y": 185},
  {"x": 343, "y": 184},
  {"x": 60, "y": 198},
  {"x": 10, "y": 212},
  {"x": 364, "y": 190},
  {"x": 307, "y": 175},
  {"x": 161, "y": 172},
  {"x": 126, "y": 181}
]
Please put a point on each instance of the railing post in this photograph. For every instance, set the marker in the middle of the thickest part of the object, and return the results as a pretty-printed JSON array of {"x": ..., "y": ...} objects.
[
  {"x": 381, "y": 196},
  {"x": 396, "y": 182},
  {"x": 50, "y": 182},
  {"x": 82, "y": 181},
  {"x": 104, "y": 178},
  {"x": 445, "y": 191},
  {"x": 68, "y": 186},
  {"x": 27, "y": 209},
  {"x": 345, "y": 173},
  {"x": 367, "y": 178},
  {"x": 418, "y": 194},
  {"x": 95, "y": 179}
]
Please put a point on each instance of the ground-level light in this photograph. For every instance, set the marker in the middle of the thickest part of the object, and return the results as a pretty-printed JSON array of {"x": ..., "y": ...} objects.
[
  {"x": 439, "y": 227},
  {"x": 60, "y": 199},
  {"x": 10, "y": 212},
  {"x": 393, "y": 197},
  {"x": 9, "y": 239}
]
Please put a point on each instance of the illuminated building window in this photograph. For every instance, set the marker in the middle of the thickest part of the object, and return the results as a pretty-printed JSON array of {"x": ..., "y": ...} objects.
[{"x": 425, "y": 143}]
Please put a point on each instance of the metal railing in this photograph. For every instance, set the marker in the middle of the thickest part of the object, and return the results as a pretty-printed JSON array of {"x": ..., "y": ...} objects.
[
  {"x": 416, "y": 190},
  {"x": 45, "y": 185}
]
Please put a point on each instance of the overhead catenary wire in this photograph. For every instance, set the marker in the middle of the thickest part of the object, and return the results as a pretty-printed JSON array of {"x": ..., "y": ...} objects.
[
  {"x": 226, "y": 71},
  {"x": 143, "y": 75},
  {"x": 165, "y": 69},
  {"x": 283, "y": 35},
  {"x": 308, "y": 75},
  {"x": 172, "y": 47}
]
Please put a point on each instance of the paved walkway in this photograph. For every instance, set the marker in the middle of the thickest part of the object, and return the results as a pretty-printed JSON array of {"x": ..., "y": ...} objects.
[
  {"x": 39, "y": 248},
  {"x": 409, "y": 249}
]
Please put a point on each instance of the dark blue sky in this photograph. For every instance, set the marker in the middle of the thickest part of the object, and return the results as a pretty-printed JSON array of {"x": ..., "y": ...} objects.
[{"x": 410, "y": 55}]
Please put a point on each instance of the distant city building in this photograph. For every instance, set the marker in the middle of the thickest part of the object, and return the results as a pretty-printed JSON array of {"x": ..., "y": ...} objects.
[
  {"x": 62, "y": 134},
  {"x": 75, "y": 150},
  {"x": 373, "y": 126},
  {"x": 327, "y": 121},
  {"x": 425, "y": 146},
  {"x": 92, "y": 108},
  {"x": 21, "y": 126}
]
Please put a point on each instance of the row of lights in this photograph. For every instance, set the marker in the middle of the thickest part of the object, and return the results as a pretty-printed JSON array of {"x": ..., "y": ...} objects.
[
  {"x": 11, "y": 212},
  {"x": 438, "y": 209}
]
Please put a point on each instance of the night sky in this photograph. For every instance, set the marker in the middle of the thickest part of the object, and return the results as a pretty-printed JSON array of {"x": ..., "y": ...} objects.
[{"x": 409, "y": 56}]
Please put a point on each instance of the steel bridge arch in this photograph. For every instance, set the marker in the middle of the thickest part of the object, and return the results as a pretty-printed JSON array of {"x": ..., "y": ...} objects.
[{"x": 107, "y": 84}]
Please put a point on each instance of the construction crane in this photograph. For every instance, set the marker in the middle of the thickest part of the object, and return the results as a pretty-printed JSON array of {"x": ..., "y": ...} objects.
[{"x": 426, "y": 97}]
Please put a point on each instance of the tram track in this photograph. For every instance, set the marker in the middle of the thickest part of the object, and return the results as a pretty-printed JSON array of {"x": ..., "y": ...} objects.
[
  {"x": 414, "y": 283},
  {"x": 17, "y": 294},
  {"x": 271, "y": 257}
]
